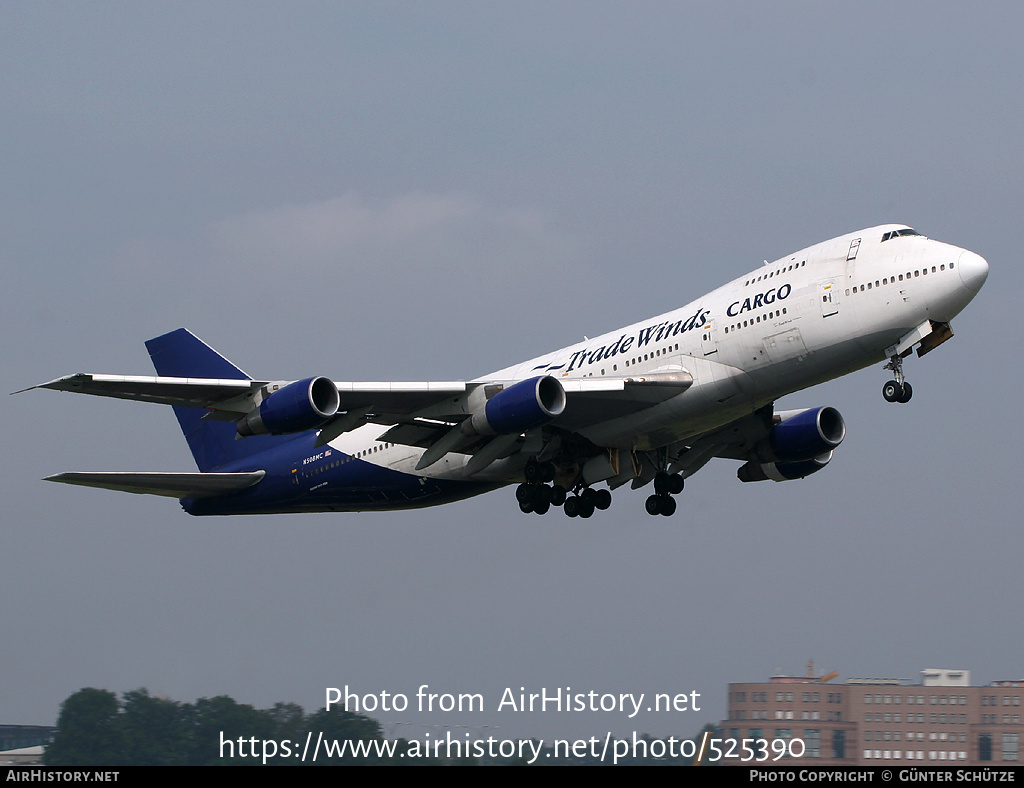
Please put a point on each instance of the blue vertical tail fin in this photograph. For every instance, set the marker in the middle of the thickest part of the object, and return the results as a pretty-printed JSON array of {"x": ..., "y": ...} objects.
[{"x": 181, "y": 354}]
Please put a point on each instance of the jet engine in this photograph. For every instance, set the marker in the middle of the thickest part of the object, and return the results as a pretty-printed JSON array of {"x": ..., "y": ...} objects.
[
  {"x": 517, "y": 408},
  {"x": 800, "y": 443},
  {"x": 754, "y": 471},
  {"x": 801, "y": 435},
  {"x": 299, "y": 406}
]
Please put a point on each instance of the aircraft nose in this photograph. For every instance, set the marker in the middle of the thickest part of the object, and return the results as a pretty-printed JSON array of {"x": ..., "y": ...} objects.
[{"x": 973, "y": 270}]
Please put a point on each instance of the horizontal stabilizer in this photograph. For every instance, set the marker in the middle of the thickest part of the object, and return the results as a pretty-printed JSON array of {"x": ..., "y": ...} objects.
[{"x": 172, "y": 485}]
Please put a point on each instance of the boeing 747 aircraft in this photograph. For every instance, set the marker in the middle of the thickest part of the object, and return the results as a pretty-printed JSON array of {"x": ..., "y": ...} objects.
[{"x": 651, "y": 402}]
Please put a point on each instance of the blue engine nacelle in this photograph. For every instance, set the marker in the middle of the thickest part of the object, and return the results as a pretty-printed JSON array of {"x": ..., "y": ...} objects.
[
  {"x": 805, "y": 435},
  {"x": 299, "y": 406},
  {"x": 519, "y": 407},
  {"x": 800, "y": 443},
  {"x": 754, "y": 471}
]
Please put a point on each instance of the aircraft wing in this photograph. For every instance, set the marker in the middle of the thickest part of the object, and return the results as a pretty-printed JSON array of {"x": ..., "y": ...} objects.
[
  {"x": 588, "y": 399},
  {"x": 189, "y": 392},
  {"x": 173, "y": 485},
  {"x": 417, "y": 412},
  {"x": 230, "y": 395}
]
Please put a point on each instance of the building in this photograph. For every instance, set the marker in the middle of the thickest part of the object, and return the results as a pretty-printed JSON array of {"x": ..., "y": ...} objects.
[
  {"x": 869, "y": 721},
  {"x": 21, "y": 744}
]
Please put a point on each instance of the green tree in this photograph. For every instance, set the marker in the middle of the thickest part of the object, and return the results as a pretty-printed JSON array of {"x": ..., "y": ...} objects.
[
  {"x": 289, "y": 724},
  {"x": 218, "y": 724},
  {"x": 156, "y": 731},
  {"x": 89, "y": 731},
  {"x": 341, "y": 725}
]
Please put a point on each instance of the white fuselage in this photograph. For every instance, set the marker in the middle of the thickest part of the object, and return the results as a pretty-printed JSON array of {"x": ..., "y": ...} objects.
[{"x": 811, "y": 316}]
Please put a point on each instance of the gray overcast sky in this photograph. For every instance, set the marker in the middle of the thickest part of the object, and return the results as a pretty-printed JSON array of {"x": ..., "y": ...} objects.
[{"x": 400, "y": 191}]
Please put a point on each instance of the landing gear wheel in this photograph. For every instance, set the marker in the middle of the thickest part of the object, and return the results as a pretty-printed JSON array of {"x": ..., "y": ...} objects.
[
  {"x": 897, "y": 390},
  {"x": 661, "y": 504},
  {"x": 557, "y": 495},
  {"x": 572, "y": 506},
  {"x": 586, "y": 509},
  {"x": 602, "y": 499},
  {"x": 540, "y": 471},
  {"x": 892, "y": 391},
  {"x": 668, "y": 483},
  {"x": 536, "y": 497}
]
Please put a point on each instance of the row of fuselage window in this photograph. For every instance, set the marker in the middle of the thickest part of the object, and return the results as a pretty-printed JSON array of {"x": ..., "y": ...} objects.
[
  {"x": 892, "y": 279},
  {"x": 758, "y": 319},
  {"x": 632, "y": 362},
  {"x": 770, "y": 274},
  {"x": 358, "y": 455}
]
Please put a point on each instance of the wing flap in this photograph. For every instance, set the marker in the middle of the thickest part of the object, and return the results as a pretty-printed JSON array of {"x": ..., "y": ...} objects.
[
  {"x": 398, "y": 399},
  {"x": 172, "y": 485},
  {"x": 593, "y": 400},
  {"x": 418, "y": 433}
]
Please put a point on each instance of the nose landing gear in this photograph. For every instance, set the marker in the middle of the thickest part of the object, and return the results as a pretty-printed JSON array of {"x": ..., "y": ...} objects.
[
  {"x": 897, "y": 390},
  {"x": 894, "y": 392}
]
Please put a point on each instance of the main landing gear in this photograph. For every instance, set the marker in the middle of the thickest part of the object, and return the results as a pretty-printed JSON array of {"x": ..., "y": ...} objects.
[
  {"x": 539, "y": 498},
  {"x": 897, "y": 390},
  {"x": 537, "y": 495},
  {"x": 584, "y": 504},
  {"x": 665, "y": 486}
]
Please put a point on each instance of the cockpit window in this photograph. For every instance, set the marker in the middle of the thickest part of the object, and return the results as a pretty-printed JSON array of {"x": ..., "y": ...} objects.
[{"x": 899, "y": 234}]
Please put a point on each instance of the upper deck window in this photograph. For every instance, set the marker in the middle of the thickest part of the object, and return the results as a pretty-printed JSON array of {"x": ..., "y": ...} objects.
[{"x": 899, "y": 234}]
